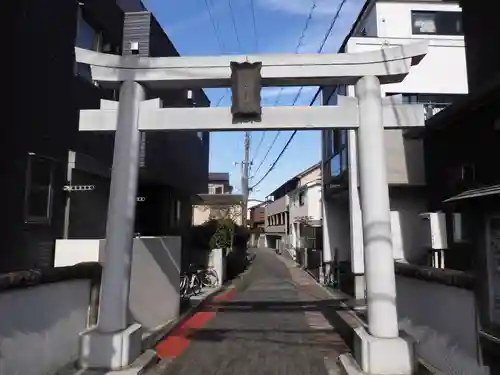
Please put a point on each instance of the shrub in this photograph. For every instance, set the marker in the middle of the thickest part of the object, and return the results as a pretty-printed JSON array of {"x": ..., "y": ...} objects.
[{"x": 222, "y": 237}]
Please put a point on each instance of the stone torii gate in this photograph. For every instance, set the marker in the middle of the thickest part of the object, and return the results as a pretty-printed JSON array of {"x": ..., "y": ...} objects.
[{"x": 114, "y": 343}]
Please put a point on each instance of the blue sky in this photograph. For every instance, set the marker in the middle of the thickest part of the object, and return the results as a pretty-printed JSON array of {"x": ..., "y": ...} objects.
[{"x": 279, "y": 25}]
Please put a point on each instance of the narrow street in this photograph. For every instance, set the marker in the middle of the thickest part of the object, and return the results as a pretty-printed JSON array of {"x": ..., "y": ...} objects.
[{"x": 273, "y": 325}]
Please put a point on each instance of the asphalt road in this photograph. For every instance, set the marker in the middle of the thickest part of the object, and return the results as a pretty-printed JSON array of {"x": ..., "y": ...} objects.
[{"x": 275, "y": 325}]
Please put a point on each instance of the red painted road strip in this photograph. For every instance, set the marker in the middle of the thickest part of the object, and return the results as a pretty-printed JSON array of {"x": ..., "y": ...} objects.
[{"x": 178, "y": 341}]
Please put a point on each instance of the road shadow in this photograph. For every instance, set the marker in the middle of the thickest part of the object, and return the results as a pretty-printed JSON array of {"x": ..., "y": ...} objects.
[
  {"x": 321, "y": 338},
  {"x": 276, "y": 306},
  {"x": 327, "y": 338}
]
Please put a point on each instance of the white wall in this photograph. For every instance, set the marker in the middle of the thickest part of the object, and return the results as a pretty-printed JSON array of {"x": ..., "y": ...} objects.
[
  {"x": 394, "y": 18},
  {"x": 40, "y": 326},
  {"x": 442, "y": 71},
  {"x": 447, "y": 310},
  {"x": 154, "y": 289},
  {"x": 314, "y": 202},
  {"x": 407, "y": 227}
]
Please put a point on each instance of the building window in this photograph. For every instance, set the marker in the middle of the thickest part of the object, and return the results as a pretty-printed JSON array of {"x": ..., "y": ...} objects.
[
  {"x": 39, "y": 190},
  {"x": 302, "y": 196},
  {"x": 91, "y": 38},
  {"x": 436, "y": 23},
  {"x": 218, "y": 190}
]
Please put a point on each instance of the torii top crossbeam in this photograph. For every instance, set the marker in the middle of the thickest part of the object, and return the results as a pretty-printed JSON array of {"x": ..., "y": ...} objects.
[{"x": 390, "y": 65}]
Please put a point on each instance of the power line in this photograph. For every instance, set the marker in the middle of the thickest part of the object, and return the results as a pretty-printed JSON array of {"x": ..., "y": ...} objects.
[
  {"x": 325, "y": 38},
  {"x": 234, "y": 24},
  {"x": 259, "y": 144},
  {"x": 306, "y": 26},
  {"x": 301, "y": 39},
  {"x": 276, "y": 161},
  {"x": 254, "y": 22},
  {"x": 278, "y": 97},
  {"x": 214, "y": 25},
  {"x": 267, "y": 153},
  {"x": 332, "y": 24},
  {"x": 327, "y": 35}
]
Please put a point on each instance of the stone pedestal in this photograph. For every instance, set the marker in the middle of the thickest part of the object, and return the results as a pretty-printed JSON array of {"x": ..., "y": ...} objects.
[
  {"x": 217, "y": 261},
  {"x": 111, "y": 351},
  {"x": 379, "y": 356}
]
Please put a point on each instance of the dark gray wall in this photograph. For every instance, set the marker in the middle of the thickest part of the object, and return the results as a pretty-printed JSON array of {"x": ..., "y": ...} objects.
[
  {"x": 167, "y": 152},
  {"x": 482, "y": 40},
  {"x": 47, "y": 99}
]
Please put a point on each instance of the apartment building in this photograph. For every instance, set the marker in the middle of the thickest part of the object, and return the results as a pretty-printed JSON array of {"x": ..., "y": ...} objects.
[
  {"x": 219, "y": 203},
  {"x": 440, "y": 80},
  {"x": 257, "y": 217},
  {"x": 277, "y": 216},
  {"x": 57, "y": 178},
  {"x": 293, "y": 213}
]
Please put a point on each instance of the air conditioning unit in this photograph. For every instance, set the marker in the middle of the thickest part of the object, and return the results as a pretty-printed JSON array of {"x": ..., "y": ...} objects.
[{"x": 436, "y": 236}]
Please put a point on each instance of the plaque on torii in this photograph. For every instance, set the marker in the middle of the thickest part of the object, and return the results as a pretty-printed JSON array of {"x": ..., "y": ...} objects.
[{"x": 382, "y": 350}]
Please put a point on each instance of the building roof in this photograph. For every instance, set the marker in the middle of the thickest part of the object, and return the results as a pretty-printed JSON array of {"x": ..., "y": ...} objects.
[
  {"x": 297, "y": 177},
  {"x": 218, "y": 176}
]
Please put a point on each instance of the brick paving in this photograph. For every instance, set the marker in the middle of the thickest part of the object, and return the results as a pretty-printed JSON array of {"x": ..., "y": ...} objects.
[{"x": 275, "y": 325}]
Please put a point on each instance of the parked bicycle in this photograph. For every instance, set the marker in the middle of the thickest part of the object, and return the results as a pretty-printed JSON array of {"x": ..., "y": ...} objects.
[
  {"x": 209, "y": 277},
  {"x": 195, "y": 279}
]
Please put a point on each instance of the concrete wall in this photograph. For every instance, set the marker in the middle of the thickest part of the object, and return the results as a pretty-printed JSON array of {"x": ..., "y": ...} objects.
[
  {"x": 449, "y": 311},
  {"x": 407, "y": 227},
  {"x": 154, "y": 290},
  {"x": 154, "y": 293},
  {"x": 40, "y": 325}
]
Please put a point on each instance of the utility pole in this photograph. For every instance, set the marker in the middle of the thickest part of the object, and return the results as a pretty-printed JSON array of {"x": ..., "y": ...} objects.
[{"x": 244, "y": 179}]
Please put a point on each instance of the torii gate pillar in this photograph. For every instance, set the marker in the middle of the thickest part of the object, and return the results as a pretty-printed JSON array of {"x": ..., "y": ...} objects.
[
  {"x": 382, "y": 351},
  {"x": 115, "y": 343}
]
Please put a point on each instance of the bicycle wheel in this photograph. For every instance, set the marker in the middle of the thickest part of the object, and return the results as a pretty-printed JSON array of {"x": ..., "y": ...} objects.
[
  {"x": 183, "y": 286},
  {"x": 211, "y": 279},
  {"x": 196, "y": 284}
]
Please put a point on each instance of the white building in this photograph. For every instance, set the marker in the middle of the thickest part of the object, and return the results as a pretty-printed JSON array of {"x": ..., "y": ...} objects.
[
  {"x": 305, "y": 209},
  {"x": 436, "y": 82}
]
